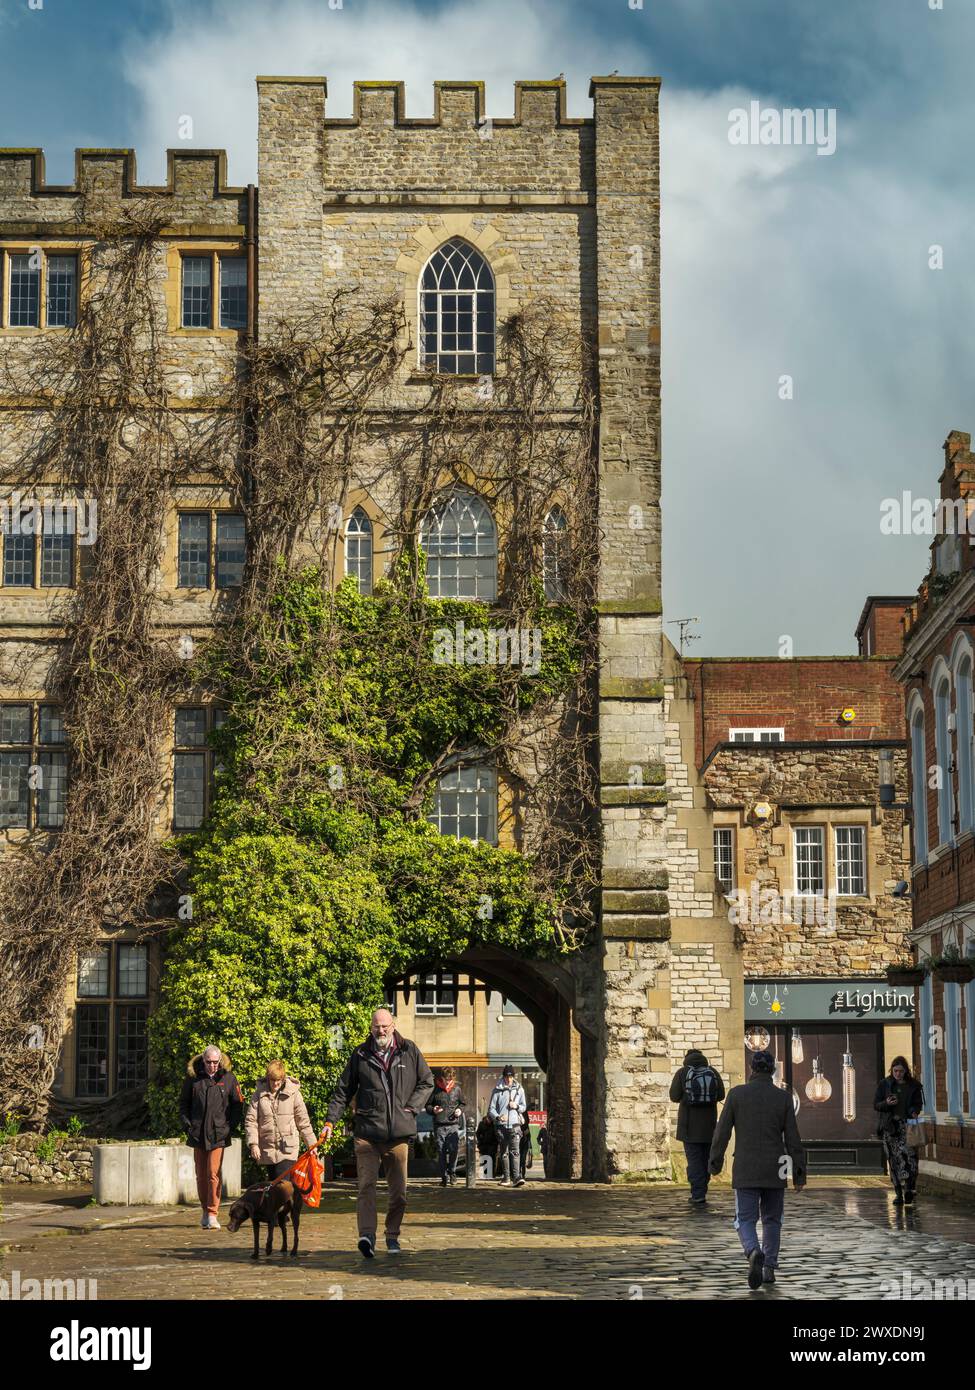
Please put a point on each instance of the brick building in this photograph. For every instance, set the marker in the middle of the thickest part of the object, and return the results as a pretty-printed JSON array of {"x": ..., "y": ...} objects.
[
  {"x": 936, "y": 671},
  {"x": 791, "y": 754},
  {"x": 540, "y": 205}
]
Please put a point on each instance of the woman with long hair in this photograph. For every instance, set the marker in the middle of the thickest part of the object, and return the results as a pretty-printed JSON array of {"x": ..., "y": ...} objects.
[{"x": 899, "y": 1098}]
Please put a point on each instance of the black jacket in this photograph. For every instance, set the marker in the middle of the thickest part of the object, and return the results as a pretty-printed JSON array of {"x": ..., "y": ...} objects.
[
  {"x": 386, "y": 1104},
  {"x": 449, "y": 1101},
  {"x": 766, "y": 1132},
  {"x": 695, "y": 1123},
  {"x": 910, "y": 1100},
  {"x": 210, "y": 1110}
]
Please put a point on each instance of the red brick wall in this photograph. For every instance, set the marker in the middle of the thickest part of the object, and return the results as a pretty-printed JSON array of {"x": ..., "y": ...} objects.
[
  {"x": 883, "y": 632},
  {"x": 803, "y": 695}
]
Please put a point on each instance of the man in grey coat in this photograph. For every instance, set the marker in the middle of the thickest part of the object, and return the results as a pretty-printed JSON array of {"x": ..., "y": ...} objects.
[{"x": 768, "y": 1151}]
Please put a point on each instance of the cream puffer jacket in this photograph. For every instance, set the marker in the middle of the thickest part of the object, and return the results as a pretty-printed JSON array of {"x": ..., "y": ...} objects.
[{"x": 275, "y": 1120}]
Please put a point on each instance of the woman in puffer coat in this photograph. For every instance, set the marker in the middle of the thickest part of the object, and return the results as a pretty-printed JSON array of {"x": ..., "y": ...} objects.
[{"x": 275, "y": 1119}]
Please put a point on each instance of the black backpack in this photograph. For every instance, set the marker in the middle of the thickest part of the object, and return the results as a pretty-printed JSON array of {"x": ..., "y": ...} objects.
[{"x": 699, "y": 1086}]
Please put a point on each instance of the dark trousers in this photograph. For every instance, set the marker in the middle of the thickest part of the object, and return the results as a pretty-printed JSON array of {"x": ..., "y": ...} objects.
[
  {"x": 448, "y": 1138},
  {"x": 509, "y": 1151},
  {"x": 697, "y": 1169},
  {"x": 769, "y": 1203},
  {"x": 277, "y": 1170}
]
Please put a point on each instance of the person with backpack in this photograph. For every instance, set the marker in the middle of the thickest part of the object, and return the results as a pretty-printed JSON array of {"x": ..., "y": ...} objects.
[{"x": 698, "y": 1088}]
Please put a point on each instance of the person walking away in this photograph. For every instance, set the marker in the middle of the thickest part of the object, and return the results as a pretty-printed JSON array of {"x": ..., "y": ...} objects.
[
  {"x": 508, "y": 1105},
  {"x": 210, "y": 1107},
  {"x": 899, "y": 1098},
  {"x": 446, "y": 1105},
  {"x": 698, "y": 1088},
  {"x": 390, "y": 1082},
  {"x": 545, "y": 1148},
  {"x": 487, "y": 1141},
  {"x": 276, "y": 1117},
  {"x": 767, "y": 1149}
]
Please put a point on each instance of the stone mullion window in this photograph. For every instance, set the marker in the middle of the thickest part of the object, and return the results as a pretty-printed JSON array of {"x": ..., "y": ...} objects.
[
  {"x": 466, "y": 803},
  {"x": 194, "y": 764},
  {"x": 213, "y": 290},
  {"x": 50, "y": 565},
  {"x": 211, "y": 549},
  {"x": 724, "y": 856},
  {"x": 111, "y": 1018},
  {"x": 38, "y": 289},
  {"x": 33, "y": 767}
]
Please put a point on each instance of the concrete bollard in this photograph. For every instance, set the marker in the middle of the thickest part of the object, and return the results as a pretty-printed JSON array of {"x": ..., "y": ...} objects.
[
  {"x": 110, "y": 1174},
  {"x": 152, "y": 1175}
]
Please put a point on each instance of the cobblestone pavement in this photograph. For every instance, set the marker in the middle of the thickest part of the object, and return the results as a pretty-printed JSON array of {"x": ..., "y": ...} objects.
[{"x": 547, "y": 1241}]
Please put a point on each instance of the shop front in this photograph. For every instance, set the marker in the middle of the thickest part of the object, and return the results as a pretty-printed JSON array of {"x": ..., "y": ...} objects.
[{"x": 833, "y": 1040}]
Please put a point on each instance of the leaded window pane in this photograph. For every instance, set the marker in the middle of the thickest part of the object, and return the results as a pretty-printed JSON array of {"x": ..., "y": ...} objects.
[
  {"x": 51, "y": 789},
  {"x": 189, "y": 781},
  {"x": 92, "y": 1024},
  {"x": 57, "y": 561},
  {"x": 93, "y": 969},
  {"x": 131, "y": 1045},
  {"x": 25, "y": 292},
  {"x": 50, "y": 724},
  {"x": 133, "y": 970},
  {"x": 62, "y": 291},
  {"x": 230, "y": 550},
  {"x": 197, "y": 291},
  {"x": 233, "y": 292},
  {"x": 15, "y": 724},
  {"x": 460, "y": 542},
  {"x": 18, "y": 562},
  {"x": 724, "y": 862},
  {"x": 194, "y": 550},
  {"x": 191, "y": 727},
  {"x": 14, "y": 790}
]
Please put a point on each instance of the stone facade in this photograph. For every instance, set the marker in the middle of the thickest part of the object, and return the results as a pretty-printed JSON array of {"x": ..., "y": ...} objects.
[{"x": 563, "y": 209}]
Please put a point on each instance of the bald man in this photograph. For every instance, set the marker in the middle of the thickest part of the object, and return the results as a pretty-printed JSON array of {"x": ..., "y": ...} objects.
[{"x": 390, "y": 1083}]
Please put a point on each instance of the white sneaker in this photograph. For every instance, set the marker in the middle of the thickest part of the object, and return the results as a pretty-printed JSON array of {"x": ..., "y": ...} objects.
[{"x": 212, "y": 1224}]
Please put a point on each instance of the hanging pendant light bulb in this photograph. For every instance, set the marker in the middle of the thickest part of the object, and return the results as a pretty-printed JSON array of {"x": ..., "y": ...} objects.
[
  {"x": 785, "y": 991},
  {"x": 849, "y": 1084},
  {"x": 766, "y": 996},
  {"x": 757, "y": 1038},
  {"x": 777, "y": 1073},
  {"x": 818, "y": 1089},
  {"x": 753, "y": 997},
  {"x": 796, "y": 1047}
]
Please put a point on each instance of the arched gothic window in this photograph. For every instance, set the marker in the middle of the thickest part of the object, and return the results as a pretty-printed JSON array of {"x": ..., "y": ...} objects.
[
  {"x": 358, "y": 549},
  {"x": 942, "y": 697},
  {"x": 919, "y": 788},
  {"x": 460, "y": 542},
  {"x": 457, "y": 311},
  {"x": 554, "y": 538}
]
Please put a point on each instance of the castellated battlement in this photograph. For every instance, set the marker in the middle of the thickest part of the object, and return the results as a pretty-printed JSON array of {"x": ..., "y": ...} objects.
[{"x": 196, "y": 180}]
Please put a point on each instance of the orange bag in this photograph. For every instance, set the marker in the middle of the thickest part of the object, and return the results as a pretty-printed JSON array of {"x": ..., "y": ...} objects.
[{"x": 307, "y": 1177}]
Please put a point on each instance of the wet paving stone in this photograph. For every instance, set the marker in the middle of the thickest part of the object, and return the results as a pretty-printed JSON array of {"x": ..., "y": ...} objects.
[{"x": 545, "y": 1241}]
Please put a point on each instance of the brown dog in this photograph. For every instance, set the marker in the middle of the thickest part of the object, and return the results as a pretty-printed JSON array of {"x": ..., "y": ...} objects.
[{"x": 273, "y": 1204}]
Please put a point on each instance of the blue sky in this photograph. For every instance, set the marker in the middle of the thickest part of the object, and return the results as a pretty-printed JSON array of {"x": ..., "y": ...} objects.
[{"x": 776, "y": 261}]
